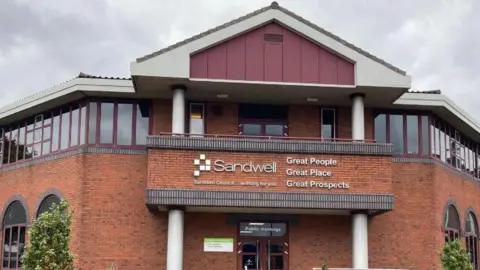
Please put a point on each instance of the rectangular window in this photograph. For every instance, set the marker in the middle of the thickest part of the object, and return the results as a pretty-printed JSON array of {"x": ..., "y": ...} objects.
[
  {"x": 74, "y": 127},
  {"x": 425, "y": 135},
  {"x": 92, "y": 122},
  {"x": 381, "y": 128},
  {"x": 142, "y": 124},
  {"x": 125, "y": 124},
  {"x": 442, "y": 143},
  {"x": 56, "y": 132},
  {"x": 2, "y": 140},
  {"x": 14, "y": 145},
  {"x": 65, "y": 129},
  {"x": 412, "y": 134},
  {"x": 21, "y": 142},
  {"x": 106, "y": 123},
  {"x": 396, "y": 133},
  {"x": 83, "y": 124},
  {"x": 263, "y": 120},
  {"x": 197, "y": 119},
  {"x": 8, "y": 146},
  {"x": 328, "y": 123}
]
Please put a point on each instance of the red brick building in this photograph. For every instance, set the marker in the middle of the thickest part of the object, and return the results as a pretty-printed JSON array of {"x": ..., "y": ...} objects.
[{"x": 266, "y": 142}]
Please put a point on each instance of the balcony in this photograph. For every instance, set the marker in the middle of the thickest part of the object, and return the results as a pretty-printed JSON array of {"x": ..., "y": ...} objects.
[{"x": 268, "y": 144}]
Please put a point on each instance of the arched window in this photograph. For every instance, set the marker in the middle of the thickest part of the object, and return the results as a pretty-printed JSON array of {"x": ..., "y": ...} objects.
[
  {"x": 47, "y": 203},
  {"x": 471, "y": 238},
  {"x": 14, "y": 229},
  {"x": 452, "y": 224}
]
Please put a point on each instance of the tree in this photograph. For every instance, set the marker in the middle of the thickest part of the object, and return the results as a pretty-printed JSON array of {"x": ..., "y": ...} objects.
[
  {"x": 455, "y": 257},
  {"x": 49, "y": 237}
]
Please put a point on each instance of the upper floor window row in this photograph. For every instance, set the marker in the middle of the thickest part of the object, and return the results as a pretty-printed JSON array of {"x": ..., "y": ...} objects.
[
  {"x": 408, "y": 133},
  {"x": 263, "y": 120},
  {"x": 98, "y": 123},
  {"x": 413, "y": 134}
]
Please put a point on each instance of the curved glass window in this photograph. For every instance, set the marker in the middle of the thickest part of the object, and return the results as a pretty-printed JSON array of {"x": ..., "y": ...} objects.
[
  {"x": 452, "y": 224},
  {"x": 47, "y": 204},
  {"x": 471, "y": 239},
  {"x": 14, "y": 230}
]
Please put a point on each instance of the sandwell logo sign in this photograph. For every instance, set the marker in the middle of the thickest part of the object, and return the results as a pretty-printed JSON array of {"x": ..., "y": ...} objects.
[{"x": 203, "y": 164}]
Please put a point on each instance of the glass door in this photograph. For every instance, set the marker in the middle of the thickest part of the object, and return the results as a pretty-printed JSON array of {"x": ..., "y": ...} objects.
[{"x": 263, "y": 254}]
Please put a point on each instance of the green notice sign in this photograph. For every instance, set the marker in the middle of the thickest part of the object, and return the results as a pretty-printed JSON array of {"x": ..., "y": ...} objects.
[{"x": 218, "y": 244}]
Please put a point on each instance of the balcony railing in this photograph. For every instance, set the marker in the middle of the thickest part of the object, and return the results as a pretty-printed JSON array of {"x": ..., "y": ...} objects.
[
  {"x": 268, "y": 144},
  {"x": 228, "y": 136}
]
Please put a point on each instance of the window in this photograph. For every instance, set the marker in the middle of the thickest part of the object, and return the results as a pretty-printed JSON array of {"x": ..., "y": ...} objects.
[
  {"x": 263, "y": 120},
  {"x": 471, "y": 239},
  {"x": 453, "y": 147},
  {"x": 197, "y": 119},
  {"x": 451, "y": 224},
  {"x": 125, "y": 124},
  {"x": 116, "y": 123},
  {"x": 408, "y": 133},
  {"x": 47, "y": 204},
  {"x": 328, "y": 123},
  {"x": 14, "y": 229}
]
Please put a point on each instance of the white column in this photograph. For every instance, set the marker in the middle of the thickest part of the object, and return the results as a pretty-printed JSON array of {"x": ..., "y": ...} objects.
[
  {"x": 358, "y": 118},
  {"x": 360, "y": 241},
  {"x": 178, "y": 110},
  {"x": 175, "y": 239}
]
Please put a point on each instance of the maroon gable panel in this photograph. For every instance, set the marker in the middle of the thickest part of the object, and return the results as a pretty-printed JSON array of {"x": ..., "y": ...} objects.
[{"x": 272, "y": 53}]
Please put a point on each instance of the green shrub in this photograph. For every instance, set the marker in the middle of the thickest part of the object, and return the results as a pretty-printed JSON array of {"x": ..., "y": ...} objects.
[
  {"x": 455, "y": 257},
  {"x": 48, "y": 241}
]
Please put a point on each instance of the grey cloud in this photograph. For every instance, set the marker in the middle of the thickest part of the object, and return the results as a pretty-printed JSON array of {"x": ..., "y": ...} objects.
[{"x": 43, "y": 43}]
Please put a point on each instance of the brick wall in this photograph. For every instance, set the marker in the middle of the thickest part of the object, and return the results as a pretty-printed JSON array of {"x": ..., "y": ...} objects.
[
  {"x": 111, "y": 223},
  {"x": 33, "y": 181},
  {"x": 171, "y": 168}
]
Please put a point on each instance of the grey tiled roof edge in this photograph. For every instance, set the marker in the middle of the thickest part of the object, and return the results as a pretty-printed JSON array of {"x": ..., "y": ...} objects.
[
  {"x": 69, "y": 153},
  {"x": 258, "y": 199},
  {"x": 274, "y": 5},
  {"x": 268, "y": 145}
]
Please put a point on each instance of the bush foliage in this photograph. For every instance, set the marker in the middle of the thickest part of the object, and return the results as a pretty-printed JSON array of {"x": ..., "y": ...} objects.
[
  {"x": 455, "y": 257},
  {"x": 48, "y": 241}
]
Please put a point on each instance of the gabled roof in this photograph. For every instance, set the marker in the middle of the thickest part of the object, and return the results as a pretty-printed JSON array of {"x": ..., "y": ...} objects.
[{"x": 273, "y": 5}]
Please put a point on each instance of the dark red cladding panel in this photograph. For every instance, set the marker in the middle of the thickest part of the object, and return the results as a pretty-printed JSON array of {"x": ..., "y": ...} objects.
[{"x": 272, "y": 53}]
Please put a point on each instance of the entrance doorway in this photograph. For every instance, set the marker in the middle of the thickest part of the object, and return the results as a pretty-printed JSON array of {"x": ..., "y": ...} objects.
[{"x": 263, "y": 246}]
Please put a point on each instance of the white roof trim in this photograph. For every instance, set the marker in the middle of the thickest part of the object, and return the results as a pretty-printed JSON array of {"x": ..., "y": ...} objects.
[
  {"x": 438, "y": 100},
  {"x": 68, "y": 87},
  {"x": 175, "y": 63}
]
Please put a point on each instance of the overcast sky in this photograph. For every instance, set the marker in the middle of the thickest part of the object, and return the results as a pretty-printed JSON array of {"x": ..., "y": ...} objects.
[{"x": 43, "y": 43}]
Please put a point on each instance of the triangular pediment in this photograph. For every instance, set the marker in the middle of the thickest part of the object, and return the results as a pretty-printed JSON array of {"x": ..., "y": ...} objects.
[{"x": 353, "y": 66}]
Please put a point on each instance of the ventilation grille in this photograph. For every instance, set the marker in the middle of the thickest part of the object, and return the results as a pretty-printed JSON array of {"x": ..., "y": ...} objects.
[{"x": 273, "y": 37}]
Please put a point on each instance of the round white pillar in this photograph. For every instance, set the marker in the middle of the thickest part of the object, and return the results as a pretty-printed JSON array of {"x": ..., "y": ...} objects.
[
  {"x": 175, "y": 239},
  {"x": 178, "y": 110},
  {"x": 358, "y": 117},
  {"x": 360, "y": 241}
]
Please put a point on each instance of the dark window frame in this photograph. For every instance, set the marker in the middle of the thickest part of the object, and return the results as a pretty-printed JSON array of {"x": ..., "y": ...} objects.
[
  {"x": 404, "y": 114},
  {"x": 467, "y": 154},
  {"x": 10, "y": 228},
  {"x": 263, "y": 122},
  {"x": 471, "y": 240},
  {"x": 451, "y": 232},
  {"x": 41, "y": 207},
  {"x": 335, "y": 123},
  {"x": 82, "y": 104}
]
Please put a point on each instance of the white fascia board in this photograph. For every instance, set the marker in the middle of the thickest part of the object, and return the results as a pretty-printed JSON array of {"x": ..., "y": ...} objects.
[
  {"x": 176, "y": 62},
  {"x": 438, "y": 100},
  {"x": 74, "y": 85}
]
